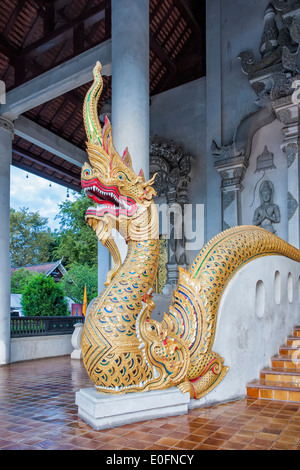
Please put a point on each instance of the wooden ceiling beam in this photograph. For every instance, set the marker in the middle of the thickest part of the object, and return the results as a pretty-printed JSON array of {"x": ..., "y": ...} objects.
[
  {"x": 46, "y": 176},
  {"x": 161, "y": 54},
  {"x": 45, "y": 163},
  {"x": 186, "y": 12},
  {"x": 13, "y": 18},
  {"x": 93, "y": 15}
]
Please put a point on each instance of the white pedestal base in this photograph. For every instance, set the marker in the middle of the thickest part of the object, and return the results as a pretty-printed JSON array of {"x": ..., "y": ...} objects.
[
  {"x": 103, "y": 411},
  {"x": 76, "y": 354}
]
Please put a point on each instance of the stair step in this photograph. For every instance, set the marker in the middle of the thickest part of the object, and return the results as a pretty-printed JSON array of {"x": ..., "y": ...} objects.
[
  {"x": 296, "y": 331},
  {"x": 294, "y": 341},
  {"x": 289, "y": 351},
  {"x": 274, "y": 390},
  {"x": 280, "y": 374},
  {"x": 285, "y": 362},
  {"x": 281, "y": 381}
]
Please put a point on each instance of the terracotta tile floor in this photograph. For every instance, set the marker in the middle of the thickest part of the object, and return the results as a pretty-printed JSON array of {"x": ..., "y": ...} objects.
[{"x": 38, "y": 411}]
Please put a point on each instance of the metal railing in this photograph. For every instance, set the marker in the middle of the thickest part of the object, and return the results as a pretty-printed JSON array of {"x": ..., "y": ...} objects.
[{"x": 43, "y": 326}]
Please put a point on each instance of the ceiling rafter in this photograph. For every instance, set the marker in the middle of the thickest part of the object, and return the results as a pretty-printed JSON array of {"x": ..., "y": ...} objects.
[
  {"x": 61, "y": 33},
  {"x": 45, "y": 163},
  {"x": 54, "y": 179}
]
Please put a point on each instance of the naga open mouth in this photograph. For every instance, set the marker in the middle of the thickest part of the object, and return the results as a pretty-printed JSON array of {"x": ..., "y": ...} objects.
[{"x": 108, "y": 199}]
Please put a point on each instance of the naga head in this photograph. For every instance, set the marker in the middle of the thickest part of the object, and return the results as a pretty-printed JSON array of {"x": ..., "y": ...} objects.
[{"x": 123, "y": 198}]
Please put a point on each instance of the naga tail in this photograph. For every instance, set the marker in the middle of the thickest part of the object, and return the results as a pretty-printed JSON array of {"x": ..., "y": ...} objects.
[{"x": 196, "y": 300}]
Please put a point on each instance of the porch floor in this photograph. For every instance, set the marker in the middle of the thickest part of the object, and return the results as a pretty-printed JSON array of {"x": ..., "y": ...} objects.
[{"x": 38, "y": 411}]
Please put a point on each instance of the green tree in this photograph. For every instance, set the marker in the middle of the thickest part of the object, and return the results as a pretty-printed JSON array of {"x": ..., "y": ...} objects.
[
  {"x": 77, "y": 241},
  {"x": 20, "y": 279},
  {"x": 77, "y": 277},
  {"x": 31, "y": 241},
  {"x": 43, "y": 297}
]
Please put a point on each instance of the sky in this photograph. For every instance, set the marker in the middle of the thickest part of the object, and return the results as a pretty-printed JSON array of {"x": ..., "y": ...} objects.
[{"x": 37, "y": 195}]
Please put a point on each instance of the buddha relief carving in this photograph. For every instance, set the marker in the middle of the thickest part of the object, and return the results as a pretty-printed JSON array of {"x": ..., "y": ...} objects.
[{"x": 267, "y": 213}]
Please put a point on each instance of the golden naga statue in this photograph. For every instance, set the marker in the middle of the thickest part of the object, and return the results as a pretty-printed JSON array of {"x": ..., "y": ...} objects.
[{"x": 124, "y": 349}]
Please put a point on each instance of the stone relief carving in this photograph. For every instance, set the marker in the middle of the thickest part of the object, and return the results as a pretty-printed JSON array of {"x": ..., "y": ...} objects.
[
  {"x": 268, "y": 212},
  {"x": 273, "y": 74},
  {"x": 291, "y": 151},
  {"x": 283, "y": 5},
  {"x": 292, "y": 205},
  {"x": 279, "y": 50},
  {"x": 228, "y": 198},
  {"x": 265, "y": 161},
  {"x": 172, "y": 167}
]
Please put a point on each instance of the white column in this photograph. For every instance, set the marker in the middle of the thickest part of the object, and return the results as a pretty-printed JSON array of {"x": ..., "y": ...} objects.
[
  {"x": 130, "y": 80},
  {"x": 6, "y": 135}
]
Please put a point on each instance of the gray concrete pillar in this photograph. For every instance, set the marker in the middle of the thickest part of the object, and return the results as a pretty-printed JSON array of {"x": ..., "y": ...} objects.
[
  {"x": 214, "y": 41},
  {"x": 6, "y": 135},
  {"x": 130, "y": 80},
  {"x": 130, "y": 85}
]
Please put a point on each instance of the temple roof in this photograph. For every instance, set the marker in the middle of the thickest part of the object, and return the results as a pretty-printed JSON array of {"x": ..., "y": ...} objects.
[{"x": 46, "y": 268}]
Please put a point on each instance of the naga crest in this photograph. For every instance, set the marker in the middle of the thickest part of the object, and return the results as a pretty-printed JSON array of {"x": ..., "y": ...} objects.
[{"x": 122, "y": 197}]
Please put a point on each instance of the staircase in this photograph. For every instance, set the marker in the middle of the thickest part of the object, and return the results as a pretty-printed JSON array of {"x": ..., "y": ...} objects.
[{"x": 281, "y": 381}]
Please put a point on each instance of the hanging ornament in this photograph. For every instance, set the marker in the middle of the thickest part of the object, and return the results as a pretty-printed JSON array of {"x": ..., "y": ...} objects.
[{"x": 68, "y": 193}]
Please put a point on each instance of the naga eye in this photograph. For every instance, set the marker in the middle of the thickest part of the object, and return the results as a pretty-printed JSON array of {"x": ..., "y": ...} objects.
[
  {"x": 152, "y": 327},
  {"x": 87, "y": 172},
  {"x": 121, "y": 177}
]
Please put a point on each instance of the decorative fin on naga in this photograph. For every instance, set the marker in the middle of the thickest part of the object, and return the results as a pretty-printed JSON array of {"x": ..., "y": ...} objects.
[{"x": 124, "y": 349}]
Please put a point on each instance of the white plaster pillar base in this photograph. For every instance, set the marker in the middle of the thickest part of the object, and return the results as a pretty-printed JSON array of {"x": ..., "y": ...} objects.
[
  {"x": 103, "y": 411},
  {"x": 76, "y": 354}
]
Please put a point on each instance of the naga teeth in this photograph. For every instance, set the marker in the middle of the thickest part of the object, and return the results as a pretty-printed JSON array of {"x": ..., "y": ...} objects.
[{"x": 120, "y": 202}]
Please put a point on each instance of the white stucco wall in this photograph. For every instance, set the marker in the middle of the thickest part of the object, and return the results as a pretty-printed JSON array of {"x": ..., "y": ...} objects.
[
  {"x": 242, "y": 25},
  {"x": 38, "y": 347},
  {"x": 271, "y": 136},
  {"x": 251, "y": 325}
]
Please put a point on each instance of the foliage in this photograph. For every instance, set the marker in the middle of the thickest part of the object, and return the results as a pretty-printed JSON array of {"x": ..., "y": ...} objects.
[
  {"x": 77, "y": 277},
  {"x": 77, "y": 242},
  {"x": 20, "y": 279},
  {"x": 31, "y": 241},
  {"x": 43, "y": 297}
]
